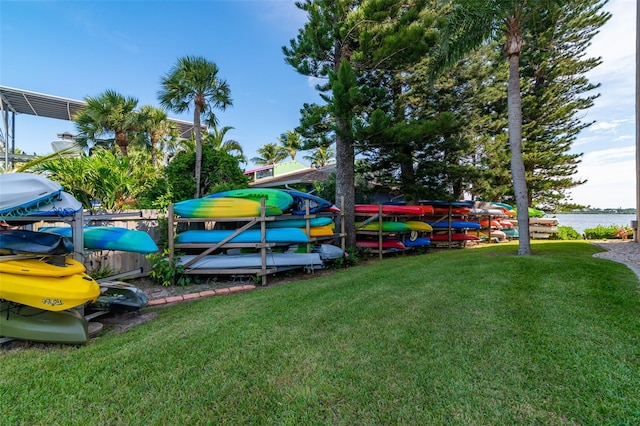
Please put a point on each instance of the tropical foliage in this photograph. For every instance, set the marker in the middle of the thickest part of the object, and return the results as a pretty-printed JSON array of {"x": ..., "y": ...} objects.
[
  {"x": 107, "y": 119},
  {"x": 220, "y": 172},
  {"x": 113, "y": 181},
  {"x": 269, "y": 154},
  {"x": 193, "y": 83}
]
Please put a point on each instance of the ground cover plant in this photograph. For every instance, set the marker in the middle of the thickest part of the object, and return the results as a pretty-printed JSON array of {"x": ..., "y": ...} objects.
[{"x": 477, "y": 336}]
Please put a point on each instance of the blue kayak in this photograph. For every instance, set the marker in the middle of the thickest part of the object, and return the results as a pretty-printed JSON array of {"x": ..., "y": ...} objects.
[
  {"x": 300, "y": 199},
  {"x": 276, "y": 235}
]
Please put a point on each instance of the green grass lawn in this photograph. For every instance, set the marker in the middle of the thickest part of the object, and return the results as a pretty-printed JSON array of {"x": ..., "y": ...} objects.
[{"x": 476, "y": 336}]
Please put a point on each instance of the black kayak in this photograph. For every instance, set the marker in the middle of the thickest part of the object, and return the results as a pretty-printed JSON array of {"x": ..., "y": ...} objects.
[{"x": 20, "y": 241}]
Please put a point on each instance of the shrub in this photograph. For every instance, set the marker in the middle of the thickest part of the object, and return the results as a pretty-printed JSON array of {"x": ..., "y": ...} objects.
[
  {"x": 163, "y": 273},
  {"x": 608, "y": 232},
  {"x": 568, "y": 233}
]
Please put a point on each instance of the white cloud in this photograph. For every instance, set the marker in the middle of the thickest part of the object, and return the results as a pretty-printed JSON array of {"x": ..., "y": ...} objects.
[
  {"x": 610, "y": 175},
  {"x": 612, "y": 125}
]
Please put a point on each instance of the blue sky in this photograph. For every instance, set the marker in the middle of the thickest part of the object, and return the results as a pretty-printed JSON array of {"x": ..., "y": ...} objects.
[{"x": 76, "y": 49}]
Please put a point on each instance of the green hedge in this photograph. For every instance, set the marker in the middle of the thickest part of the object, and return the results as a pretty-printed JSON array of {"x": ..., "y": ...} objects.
[{"x": 608, "y": 232}]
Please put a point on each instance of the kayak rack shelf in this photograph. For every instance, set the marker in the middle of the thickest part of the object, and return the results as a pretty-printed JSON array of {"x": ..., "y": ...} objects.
[{"x": 244, "y": 224}]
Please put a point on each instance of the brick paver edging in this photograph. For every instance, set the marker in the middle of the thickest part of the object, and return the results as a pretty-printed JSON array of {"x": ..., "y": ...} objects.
[{"x": 207, "y": 293}]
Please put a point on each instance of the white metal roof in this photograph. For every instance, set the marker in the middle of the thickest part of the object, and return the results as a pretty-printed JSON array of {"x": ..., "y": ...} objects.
[{"x": 21, "y": 101}]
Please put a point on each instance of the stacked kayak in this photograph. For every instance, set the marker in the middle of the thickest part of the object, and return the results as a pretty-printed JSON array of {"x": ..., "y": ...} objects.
[
  {"x": 40, "y": 287},
  {"x": 288, "y": 226}
]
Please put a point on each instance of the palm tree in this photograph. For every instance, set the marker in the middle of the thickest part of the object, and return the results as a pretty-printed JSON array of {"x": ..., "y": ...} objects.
[
  {"x": 269, "y": 154},
  {"x": 194, "y": 82},
  {"x": 291, "y": 142},
  {"x": 230, "y": 146},
  {"x": 155, "y": 123},
  {"x": 109, "y": 115},
  {"x": 473, "y": 22},
  {"x": 320, "y": 156}
]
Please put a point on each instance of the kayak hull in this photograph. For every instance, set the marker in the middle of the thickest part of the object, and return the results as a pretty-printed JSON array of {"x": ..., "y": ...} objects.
[{"x": 36, "y": 325}]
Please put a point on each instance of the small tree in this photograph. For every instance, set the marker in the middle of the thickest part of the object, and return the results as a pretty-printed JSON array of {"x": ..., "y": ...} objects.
[{"x": 194, "y": 83}]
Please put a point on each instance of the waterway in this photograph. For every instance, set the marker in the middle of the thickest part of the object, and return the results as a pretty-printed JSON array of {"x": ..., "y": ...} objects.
[{"x": 580, "y": 222}]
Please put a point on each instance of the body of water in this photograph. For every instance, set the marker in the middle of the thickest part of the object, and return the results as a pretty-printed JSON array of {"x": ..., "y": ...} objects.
[{"x": 580, "y": 222}]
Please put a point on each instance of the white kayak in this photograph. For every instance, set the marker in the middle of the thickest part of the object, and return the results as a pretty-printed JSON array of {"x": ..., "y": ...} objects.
[
  {"x": 253, "y": 260},
  {"x": 24, "y": 193}
]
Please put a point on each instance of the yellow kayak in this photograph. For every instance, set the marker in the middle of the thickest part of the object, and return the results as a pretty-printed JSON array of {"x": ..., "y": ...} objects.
[
  {"x": 320, "y": 231},
  {"x": 417, "y": 225},
  {"x": 41, "y": 268},
  {"x": 41, "y": 285}
]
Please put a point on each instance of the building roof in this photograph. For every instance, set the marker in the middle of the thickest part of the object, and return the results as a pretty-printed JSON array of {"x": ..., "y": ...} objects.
[
  {"x": 306, "y": 176},
  {"x": 21, "y": 101}
]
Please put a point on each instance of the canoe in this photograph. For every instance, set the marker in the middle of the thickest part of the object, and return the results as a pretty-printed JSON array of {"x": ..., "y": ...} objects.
[
  {"x": 19, "y": 241},
  {"x": 273, "y": 197},
  {"x": 109, "y": 238},
  {"x": 23, "y": 193},
  {"x": 386, "y": 244},
  {"x": 277, "y": 235},
  {"x": 299, "y": 223},
  {"x": 253, "y": 260},
  {"x": 28, "y": 323},
  {"x": 63, "y": 205},
  {"x": 388, "y": 209},
  {"x": 456, "y": 224},
  {"x": 417, "y": 225},
  {"x": 118, "y": 296},
  {"x": 46, "y": 286},
  {"x": 387, "y": 226},
  {"x": 300, "y": 200},
  {"x": 222, "y": 208}
]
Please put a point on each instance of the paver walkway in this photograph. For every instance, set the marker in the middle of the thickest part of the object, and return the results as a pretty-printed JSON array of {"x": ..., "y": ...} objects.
[{"x": 627, "y": 252}]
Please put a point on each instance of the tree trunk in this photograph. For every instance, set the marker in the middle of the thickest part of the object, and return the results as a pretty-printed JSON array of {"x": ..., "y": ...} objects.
[
  {"x": 518, "y": 173},
  {"x": 154, "y": 152},
  {"x": 122, "y": 142},
  {"x": 198, "y": 135},
  {"x": 345, "y": 181}
]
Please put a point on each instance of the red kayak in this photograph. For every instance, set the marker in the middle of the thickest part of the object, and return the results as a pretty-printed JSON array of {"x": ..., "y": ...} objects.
[
  {"x": 389, "y": 209},
  {"x": 386, "y": 244},
  {"x": 454, "y": 237}
]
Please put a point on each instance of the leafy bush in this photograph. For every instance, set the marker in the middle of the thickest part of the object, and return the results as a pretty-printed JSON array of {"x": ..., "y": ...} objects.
[
  {"x": 568, "y": 233},
  {"x": 220, "y": 171},
  {"x": 608, "y": 232},
  {"x": 164, "y": 273},
  {"x": 352, "y": 256}
]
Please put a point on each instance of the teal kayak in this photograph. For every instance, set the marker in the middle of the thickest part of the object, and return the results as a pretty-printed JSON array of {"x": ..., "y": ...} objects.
[{"x": 109, "y": 238}]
